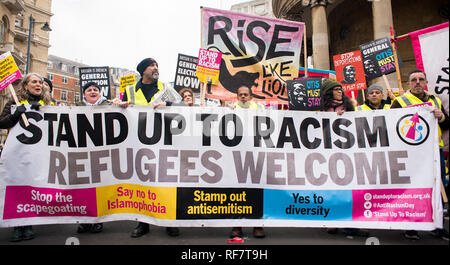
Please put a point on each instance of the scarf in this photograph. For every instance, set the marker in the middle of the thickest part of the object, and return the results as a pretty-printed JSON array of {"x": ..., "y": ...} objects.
[
  {"x": 336, "y": 105},
  {"x": 99, "y": 101}
]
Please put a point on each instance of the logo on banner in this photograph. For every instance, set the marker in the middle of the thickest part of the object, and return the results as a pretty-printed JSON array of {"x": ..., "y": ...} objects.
[{"x": 413, "y": 129}]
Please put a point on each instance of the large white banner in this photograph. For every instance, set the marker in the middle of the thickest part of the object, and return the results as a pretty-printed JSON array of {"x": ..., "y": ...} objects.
[
  {"x": 431, "y": 49},
  {"x": 184, "y": 166}
]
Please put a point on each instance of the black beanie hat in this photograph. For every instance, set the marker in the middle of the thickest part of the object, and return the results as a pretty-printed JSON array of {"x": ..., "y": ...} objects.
[
  {"x": 46, "y": 80},
  {"x": 88, "y": 84},
  {"x": 144, "y": 64}
]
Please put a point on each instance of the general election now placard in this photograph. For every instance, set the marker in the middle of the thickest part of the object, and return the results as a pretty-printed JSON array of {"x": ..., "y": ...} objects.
[{"x": 182, "y": 166}]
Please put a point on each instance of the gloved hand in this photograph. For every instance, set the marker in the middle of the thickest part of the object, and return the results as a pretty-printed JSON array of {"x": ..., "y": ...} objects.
[
  {"x": 19, "y": 110},
  {"x": 35, "y": 106}
]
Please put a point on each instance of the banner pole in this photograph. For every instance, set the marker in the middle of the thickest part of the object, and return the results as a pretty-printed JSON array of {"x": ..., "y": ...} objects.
[
  {"x": 202, "y": 94},
  {"x": 305, "y": 54},
  {"x": 13, "y": 93},
  {"x": 397, "y": 67}
]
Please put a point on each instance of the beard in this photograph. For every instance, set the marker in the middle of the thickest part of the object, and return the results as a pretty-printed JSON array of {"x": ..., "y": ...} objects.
[{"x": 155, "y": 75}]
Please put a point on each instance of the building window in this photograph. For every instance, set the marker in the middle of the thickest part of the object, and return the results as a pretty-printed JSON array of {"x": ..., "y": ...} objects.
[
  {"x": 3, "y": 29},
  {"x": 63, "y": 95},
  {"x": 50, "y": 65},
  {"x": 65, "y": 80},
  {"x": 77, "y": 97},
  {"x": 63, "y": 67},
  {"x": 260, "y": 9},
  {"x": 50, "y": 77},
  {"x": 19, "y": 22}
]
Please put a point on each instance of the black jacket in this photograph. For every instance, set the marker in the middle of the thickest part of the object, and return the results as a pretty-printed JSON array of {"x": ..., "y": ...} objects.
[{"x": 7, "y": 119}]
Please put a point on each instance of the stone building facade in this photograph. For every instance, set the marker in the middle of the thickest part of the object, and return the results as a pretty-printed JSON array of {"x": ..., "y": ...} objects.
[
  {"x": 340, "y": 26},
  {"x": 15, "y": 19},
  {"x": 255, "y": 7}
]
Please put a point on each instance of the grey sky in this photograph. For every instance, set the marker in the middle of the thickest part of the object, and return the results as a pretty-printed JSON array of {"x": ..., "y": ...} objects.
[{"x": 122, "y": 33}]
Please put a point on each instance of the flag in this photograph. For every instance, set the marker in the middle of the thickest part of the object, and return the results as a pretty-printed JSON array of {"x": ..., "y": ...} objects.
[
  {"x": 430, "y": 47},
  {"x": 257, "y": 52}
]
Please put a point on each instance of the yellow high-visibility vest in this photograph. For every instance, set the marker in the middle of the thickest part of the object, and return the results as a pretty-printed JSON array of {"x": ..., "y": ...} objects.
[
  {"x": 25, "y": 102},
  {"x": 137, "y": 97},
  {"x": 253, "y": 105},
  {"x": 366, "y": 107}
]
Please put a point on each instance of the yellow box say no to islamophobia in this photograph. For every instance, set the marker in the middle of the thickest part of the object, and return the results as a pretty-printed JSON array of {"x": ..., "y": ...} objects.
[{"x": 157, "y": 202}]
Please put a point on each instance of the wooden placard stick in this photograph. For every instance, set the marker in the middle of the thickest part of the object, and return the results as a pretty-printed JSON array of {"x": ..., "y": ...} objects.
[
  {"x": 397, "y": 67},
  {"x": 444, "y": 195},
  {"x": 388, "y": 86}
]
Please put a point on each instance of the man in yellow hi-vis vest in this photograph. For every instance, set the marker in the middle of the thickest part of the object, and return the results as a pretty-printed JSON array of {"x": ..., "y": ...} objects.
[
  {"x": 416, "y": 95},
  {"x": 245, "y": 100},
  {"x": 144, "y": 93},
  {"x": 374, "y": 99}
]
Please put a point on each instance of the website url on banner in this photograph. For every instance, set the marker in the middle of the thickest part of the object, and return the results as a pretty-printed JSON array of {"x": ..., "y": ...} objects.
[{"x": 400, "y": 196}]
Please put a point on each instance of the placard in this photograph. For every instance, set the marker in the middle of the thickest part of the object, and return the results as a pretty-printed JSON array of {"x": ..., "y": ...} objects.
[
  {"x": 9, "y": 72},
  {"x": 208, "y": 66},
  {"x": 305, "y": 94},
  {"x": 378, "y": 58},
  {"x": 99, "y": 75},
  {"x": 349, "y": 71},
  {"x": 185, "y": 75}
]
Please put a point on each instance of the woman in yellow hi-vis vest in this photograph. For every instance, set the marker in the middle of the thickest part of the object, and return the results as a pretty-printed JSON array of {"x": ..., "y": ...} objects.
[
  {"x": 417, "y": 82},
  {"x": 30, "y": 92}
]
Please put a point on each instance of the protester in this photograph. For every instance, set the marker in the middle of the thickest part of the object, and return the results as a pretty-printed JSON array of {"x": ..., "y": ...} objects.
[
  {"x": 49, "y": 86},
  {"x": 30, "y": 92},
  {"x": 245, "y": 102},
  {"x": 417, "y": 83},
  {"x": 147, "y": 87},
  {"x": 335, "y": 100},
  {"x": 91, "y": 97},
  {"x": 144, "y": 94},
  {"x": 187, "y": 96},
  {"x": 375, "y": 99}
]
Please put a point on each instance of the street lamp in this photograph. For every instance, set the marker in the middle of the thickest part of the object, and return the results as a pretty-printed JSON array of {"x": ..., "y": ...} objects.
[{"x": 46, "y": 27}]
